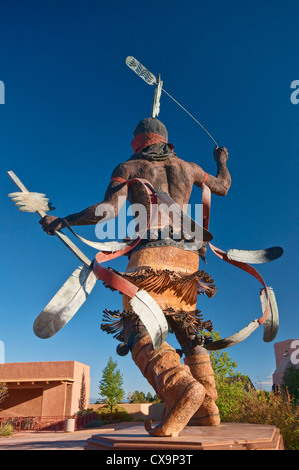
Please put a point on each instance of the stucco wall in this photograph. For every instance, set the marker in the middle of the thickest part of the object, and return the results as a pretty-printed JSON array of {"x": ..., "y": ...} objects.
[
  {"x": 43, "y": 388},
  {"x": 79, "y": 370},
  {"x": 14, "y": 404}
]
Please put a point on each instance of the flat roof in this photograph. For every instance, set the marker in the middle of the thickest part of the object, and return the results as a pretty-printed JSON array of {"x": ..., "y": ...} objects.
[
  {"x": 43, "y": 379},
  {"x": 42, "y": 371}
]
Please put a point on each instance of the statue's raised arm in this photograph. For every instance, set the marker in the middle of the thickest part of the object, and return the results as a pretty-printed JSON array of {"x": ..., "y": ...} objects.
[{"x": 220, "y": 183}]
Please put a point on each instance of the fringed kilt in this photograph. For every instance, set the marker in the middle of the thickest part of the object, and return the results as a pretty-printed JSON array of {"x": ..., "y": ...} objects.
[{"x": 171, "y": 276}]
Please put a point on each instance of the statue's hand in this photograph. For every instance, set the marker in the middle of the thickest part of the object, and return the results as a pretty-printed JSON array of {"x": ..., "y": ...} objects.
[
  {"x": 221, "y": 154},
  {"x": 50, "y": 223}
]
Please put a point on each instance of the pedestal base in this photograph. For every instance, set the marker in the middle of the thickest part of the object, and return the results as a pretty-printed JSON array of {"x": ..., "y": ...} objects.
[{"x": 226, "y": 436}]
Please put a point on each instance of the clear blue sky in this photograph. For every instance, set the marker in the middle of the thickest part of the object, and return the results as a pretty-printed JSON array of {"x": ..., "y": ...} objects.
[{"x": 70, "y": 111}]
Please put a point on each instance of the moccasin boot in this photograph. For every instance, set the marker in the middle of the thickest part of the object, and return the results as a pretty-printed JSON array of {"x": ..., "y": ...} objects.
[
  {"x": 173, "y": 383},
  {"x": 201, "y": 369}
]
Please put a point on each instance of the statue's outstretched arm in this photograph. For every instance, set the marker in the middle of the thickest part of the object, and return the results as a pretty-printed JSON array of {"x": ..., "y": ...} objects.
[
  {"x": 219, "y": 184},
  {"x": 114, "y": 199}
]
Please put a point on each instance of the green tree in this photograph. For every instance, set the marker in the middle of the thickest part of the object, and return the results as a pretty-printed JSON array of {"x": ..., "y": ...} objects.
[
  {"x": 149, "y": 397},
  {"x": 231, "y": 391},
  {"x": 137, "y": 397},
  {"x": 111, "y": 385},
  {"x": 222, "y": 363},
  {"x": 290, "y": 382},
  {"x": 156, "y": 399},
  {"x": 140, "y": 397}
]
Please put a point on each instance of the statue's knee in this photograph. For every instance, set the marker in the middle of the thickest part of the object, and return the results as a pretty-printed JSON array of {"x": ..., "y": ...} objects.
[{"x": 134, "y": 330}]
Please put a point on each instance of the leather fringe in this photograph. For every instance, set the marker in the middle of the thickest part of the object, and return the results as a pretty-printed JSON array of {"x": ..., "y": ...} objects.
[
  {"x": 186, "y": 286},
  {"x": 190, "y": 322}
]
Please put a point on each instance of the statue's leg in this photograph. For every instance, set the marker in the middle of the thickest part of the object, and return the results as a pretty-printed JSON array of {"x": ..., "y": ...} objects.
[
  {"x": 169, "y": 275},
  {"x": 172, "y": 381},
  {"x": 198, "y": 360},
  {"x": 201, "y": 369}
]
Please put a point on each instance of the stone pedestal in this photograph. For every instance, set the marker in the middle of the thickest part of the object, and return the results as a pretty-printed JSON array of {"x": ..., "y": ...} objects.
[{"x": 226, "y": 436}]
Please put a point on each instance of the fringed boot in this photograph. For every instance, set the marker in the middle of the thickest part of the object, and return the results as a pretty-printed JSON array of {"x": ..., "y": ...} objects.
[
  {"x": 173, "y": 383},
  {"x": 201, "y": 369}
]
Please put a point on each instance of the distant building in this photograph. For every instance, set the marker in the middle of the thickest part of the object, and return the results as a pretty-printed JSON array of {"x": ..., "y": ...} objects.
[
  {"x": 43, "y": 388},
  {"x": 286, "y": 355}
]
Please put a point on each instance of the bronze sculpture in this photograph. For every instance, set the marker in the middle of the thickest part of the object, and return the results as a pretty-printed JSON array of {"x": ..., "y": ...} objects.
[
  {"x": 170, "y": 274},
  {"x": 163, "y": 262}
]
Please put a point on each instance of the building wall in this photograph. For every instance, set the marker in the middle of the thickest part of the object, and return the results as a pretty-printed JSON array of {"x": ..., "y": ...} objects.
[
  {"x": 80, "y": 370},
  {"x": 14, "y": 404},
  {"x": 36, "y": 370},
  {"x": 54, "y": 400},
  {"x": 283, "y": 357},
  {"x": 43, "y": 388}
]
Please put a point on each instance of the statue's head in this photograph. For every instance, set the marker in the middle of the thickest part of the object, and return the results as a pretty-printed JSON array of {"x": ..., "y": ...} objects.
[
  {"x": 150, "y": 131},
  {"x": 151, "y": 126}
]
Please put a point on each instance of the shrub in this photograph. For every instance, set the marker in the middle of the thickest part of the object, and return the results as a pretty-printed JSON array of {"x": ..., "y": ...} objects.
[
  {"x": 6, "y": 429},
  {"x": 84, "y": 412},
  {"x": 230, "y": 396},
  {"x": 290, "y": 382},
  {"x": 278, "y": 409},
  {"x": 96, "y": 423},
  {"x": 118, "y": 414}
]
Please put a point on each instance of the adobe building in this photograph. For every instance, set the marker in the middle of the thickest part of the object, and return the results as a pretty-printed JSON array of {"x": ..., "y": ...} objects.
[
  {"x": 43, "y": 388},
  {"x": 286, "y": 355}
]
